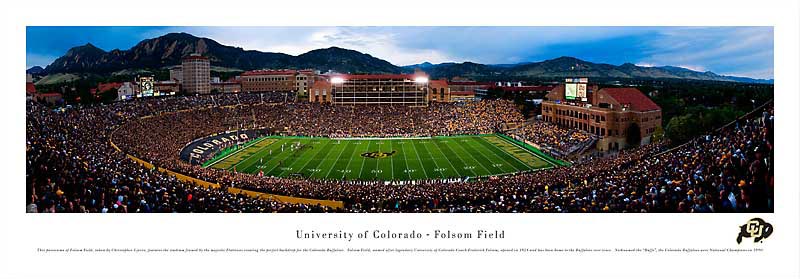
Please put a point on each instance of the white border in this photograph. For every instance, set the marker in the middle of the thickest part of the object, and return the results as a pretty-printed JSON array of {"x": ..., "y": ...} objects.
[{"x": 21, "y": 232}]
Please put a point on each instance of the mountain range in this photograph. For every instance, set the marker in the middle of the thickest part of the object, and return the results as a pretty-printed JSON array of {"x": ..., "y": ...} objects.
[{"x": 167, "y": 50}]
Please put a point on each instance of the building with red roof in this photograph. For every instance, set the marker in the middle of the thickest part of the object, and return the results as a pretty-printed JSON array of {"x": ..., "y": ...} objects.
[
  {"x": 103, "y": 87},
  {"x": 610, "y": 113},
  {"x": 269, "y": 81},
  {"x": 30, "y": 88}
]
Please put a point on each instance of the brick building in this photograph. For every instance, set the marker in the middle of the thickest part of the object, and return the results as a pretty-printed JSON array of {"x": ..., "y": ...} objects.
[
  {"x": 439, "y": 91},
  {"x": 226, "y": 87},
  {"x": 320, "y": 92},
  {"x": 609, "y": 113},
  {"x": 269, "y": 81},
  {"x": 196, "y": 74}
]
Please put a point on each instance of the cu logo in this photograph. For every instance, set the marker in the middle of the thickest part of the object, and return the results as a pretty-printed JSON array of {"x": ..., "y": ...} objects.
[{"x": 755, "y": 228}]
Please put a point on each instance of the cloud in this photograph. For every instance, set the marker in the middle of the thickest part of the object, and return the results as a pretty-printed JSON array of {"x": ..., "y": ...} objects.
[
  {"x": 32, "y": 59},
  {"x": 717, "y": 49}
]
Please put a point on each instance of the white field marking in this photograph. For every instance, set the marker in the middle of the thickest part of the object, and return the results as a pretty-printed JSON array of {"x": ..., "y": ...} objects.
[
  {"x": 363, "y": 161},
  {"x": 419, "y": 159},
  {"x": 405, "y": 160},
  {"x": 501, "y": 158},
  {"x": 391, "y": 158},
  {"x": 389, "y": 138},
  {"x": 237, "y": 151},
  {"x": 347, "y": 167},
  {"x": 275, "y": 158},
  {"x": 511, "y": 155},
  {"x": 312, "y": 158},
  {"x": 439, "y": 169},
  {"x": 448, "y": 160},
  {"x": 334, "y": 164},
  {"x": 473, "y": 158},
  {"x": 251, "y": 156},
  {"x": 524, "y": 149}
]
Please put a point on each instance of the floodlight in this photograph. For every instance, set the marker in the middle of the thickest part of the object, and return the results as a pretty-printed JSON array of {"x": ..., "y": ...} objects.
[
  {"x": 421, "y": 79},
  {"x": 337, "y": 80}
]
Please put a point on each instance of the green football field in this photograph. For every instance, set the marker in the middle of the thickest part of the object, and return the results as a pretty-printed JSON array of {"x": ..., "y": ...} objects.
[{"x": 384, "y": 159}]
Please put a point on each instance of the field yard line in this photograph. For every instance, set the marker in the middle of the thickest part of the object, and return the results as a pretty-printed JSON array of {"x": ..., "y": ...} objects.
[
  {"x": 526, "y": 150},
  {"x": 474, "y": 174},
  {"x": 303, "y": 156},
  {"x": 501, "y": 158},
  {"x": 405, "y": 158},
  {"x": 312, "y": 157},
  {"x": 534, "y": 154},
  {"x": 448, "y": 160},
  {"x": 276, "y": 158},
  {"x": 251, "y": 156},
  {"x": 473, "y": 158},
  {"x": 334, "y": 163},
  {"x": 419, "y": 159},
  {"x": 285, "y": 154},
  {"x": 441, "y": 173},
  {"x": 234, "y": 153},
  {"x": 378, "y": 163},
  {"x": 391, "y": 160},
  {"x": 347, "y": 167},
  {"x": 363, "y": 162}
]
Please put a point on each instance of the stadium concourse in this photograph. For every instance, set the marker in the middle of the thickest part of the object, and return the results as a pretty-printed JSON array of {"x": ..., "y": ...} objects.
[{"x": 71, "y": 165}]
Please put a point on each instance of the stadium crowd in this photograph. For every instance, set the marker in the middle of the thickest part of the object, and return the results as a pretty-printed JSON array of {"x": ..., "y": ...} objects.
[
  {"x": 72, "y": 167},
  {"x": 551, "y": 136}
]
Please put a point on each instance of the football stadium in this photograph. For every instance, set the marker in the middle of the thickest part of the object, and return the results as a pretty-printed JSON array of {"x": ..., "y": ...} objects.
[
  {"x": 385, "y": 159},
  {"x": 303, "y": 141},
  {"x": 246, "y": 152}
]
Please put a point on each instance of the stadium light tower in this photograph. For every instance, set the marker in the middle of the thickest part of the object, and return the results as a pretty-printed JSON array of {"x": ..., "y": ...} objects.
[
  {"x": 421, "y": 79},
  {"x": 337, "y": 80}
]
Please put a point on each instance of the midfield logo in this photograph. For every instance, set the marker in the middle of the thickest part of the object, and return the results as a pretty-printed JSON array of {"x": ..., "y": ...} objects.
[
  {"x": 377, "y": 154},
  {"x": 755, "y": 228}
]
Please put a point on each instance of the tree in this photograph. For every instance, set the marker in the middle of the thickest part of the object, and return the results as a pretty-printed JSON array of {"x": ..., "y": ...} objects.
[
  {"x": 682, "y": 128},
  {"x": 658, "y": 135}
]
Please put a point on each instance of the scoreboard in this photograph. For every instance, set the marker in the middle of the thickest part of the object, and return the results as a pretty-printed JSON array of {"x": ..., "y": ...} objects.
[
  {"x": 575, "y": 89},
  {"x": 145, "y": 87}
]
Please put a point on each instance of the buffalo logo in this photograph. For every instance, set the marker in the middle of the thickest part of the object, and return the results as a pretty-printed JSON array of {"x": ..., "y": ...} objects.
[
  {"x": 755, "y": 228},
  {"x": 377, "y": 154}
]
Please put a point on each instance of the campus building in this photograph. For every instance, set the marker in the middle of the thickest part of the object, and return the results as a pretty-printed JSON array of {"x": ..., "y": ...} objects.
[
  {"x": 439, "y": 91},
  {"x": 226, "y": 87},
  {"x": 269, "y": 81},
  {"x": 176, "y": 74},
  {"x": 166, "y": 88},
  {"x": 196, "y": 74},
  {"x": 320, "y": 92},
  {"x": 609, "y": 113},
  {"x": 462, "y": 96},
  {"x": 393, "y": 89}
]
